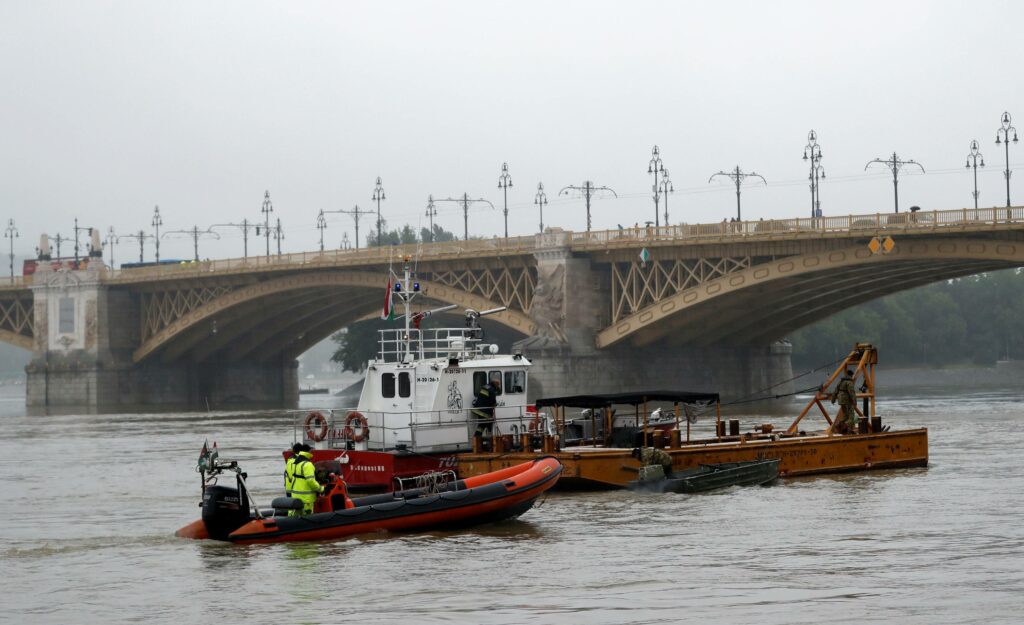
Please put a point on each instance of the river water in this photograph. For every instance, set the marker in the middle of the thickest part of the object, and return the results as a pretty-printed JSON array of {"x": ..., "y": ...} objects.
[{"x": 92, "y": 502}]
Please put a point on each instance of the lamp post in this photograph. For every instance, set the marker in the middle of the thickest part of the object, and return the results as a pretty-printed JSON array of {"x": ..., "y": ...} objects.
[
  {"x": 972, "y": 161},
  {"x": 812, "y": 153},
  {"x": 666, "y": 188},
  {"x": 157, "y": 222},
  {"x": 58, "y": 239},
  {"x": 11, "y": 233},
  {"x": 111, "y": 242},
  {"x": 378, "y": 195},
  {"x": 278, "y": 235},
  {"x": 587, "y": 190},
  {"x": 737, "y": 175},
  {"x": 431, "y": 213},
  {"x": 1005, "y": 129},
  {"x": 244, "y": 226},
  {"x": 540, "y": 200},
  {"x": 266, "y": 209},
  {"x": 895, "y": 164},
  {"x": 77, "y": 230},
  {"x": 504, "y": 182},
  {"x": 465, "y": 201},
  {"x": 321, "y": 225},
  {"x": 654, "y": 167}
]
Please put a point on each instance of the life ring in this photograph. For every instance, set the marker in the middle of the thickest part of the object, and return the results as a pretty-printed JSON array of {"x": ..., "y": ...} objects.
[
  {"x": 316, "y": 426},
  {"x": 361, "y": 422}
]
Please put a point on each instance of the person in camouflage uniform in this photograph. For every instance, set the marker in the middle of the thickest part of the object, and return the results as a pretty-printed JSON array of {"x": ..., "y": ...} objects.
[
  {"x": 649, "y": 456},
  {"x": 846, "y": 396}
]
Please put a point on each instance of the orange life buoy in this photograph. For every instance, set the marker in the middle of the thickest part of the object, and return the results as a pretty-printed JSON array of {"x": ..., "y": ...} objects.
[
  {"x": 316, "y": 426},
  {"x": 361, "y": 423}
]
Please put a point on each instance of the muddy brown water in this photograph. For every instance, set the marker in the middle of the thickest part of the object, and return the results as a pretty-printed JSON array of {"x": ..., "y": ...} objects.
[{"x": 91, "y": 503}]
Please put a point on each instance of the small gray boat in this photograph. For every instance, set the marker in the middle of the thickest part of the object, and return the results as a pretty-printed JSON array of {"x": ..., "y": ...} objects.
[{"x": 708, "y": 477}]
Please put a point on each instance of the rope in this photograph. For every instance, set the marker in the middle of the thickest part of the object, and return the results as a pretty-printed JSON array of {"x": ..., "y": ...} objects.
[
  {"x": 767, "y": 397},
  {"x": 795, "y": 377}
]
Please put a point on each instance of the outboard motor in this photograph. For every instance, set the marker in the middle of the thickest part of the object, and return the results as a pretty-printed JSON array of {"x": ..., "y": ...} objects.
[{"x": 224, "y": 511}]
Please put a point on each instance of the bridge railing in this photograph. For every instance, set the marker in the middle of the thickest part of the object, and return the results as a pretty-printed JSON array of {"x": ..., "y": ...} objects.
[
  {"x": 363, "y": 256},
  {"x": 15, "y": 281},
  {"x": 966, "y": 218}
]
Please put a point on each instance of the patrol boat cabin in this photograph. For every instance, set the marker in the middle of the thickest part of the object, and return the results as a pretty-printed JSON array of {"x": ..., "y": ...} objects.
[{"x": 419, "y": 391}]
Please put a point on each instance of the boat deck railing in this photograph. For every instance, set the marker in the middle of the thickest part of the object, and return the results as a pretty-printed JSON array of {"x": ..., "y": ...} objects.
[
  {"x": 397, "y": 345},
  {"x": 339, "y": 435}
]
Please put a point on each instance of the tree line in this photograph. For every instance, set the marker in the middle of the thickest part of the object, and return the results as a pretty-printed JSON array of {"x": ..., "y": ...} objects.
[{"x": 974, "y": 320}]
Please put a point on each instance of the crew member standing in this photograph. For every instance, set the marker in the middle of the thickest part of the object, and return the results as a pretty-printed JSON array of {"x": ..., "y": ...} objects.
[
  {"x": 288, "y": 479},
  {"x": 483, "y": 407},
  {"x": 846, "y": 396},
  {"x": 304, "y": 484}
]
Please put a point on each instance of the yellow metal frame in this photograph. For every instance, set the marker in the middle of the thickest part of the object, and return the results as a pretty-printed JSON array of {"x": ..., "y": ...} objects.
[{"x": 863, "y": 358}]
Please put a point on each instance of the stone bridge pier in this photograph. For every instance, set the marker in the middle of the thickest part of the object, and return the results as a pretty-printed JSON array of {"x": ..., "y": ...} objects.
[
  {"x": 571, "y": 306},
  {"x": 85, "y": 334}
]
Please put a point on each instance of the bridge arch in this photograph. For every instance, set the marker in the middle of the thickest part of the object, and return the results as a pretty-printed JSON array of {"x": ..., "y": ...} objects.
[
  {"x": 280, "y": 301},
  {"x": 768, "y": 300},
  {"x": 17, "y": 339}
]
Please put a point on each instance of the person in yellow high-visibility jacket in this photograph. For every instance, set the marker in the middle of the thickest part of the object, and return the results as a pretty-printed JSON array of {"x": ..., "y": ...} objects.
[
  {"x": 303, "y": 481},
  {"x": 288, "y": 478}
]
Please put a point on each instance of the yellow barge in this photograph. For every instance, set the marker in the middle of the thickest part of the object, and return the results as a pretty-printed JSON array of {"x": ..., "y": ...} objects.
[{"x": 599, "y": 460}]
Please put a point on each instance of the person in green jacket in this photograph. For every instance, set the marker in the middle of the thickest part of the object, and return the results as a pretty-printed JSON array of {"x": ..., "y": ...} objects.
[
  {"x": 846, "y": 396},
  {"x": 649, "y": 456},
  {"x": 302, "y": 476}
]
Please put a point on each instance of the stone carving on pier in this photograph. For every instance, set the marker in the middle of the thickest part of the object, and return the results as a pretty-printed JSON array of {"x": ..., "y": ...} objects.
[{"x": 548, "y": 307}]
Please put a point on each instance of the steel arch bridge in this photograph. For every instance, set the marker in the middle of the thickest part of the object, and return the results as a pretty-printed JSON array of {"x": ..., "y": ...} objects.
[{"x": 728, "y": 283}]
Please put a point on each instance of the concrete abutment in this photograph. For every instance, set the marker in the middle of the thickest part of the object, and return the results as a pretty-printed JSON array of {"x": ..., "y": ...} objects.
[{"x": 83, "y": 357}]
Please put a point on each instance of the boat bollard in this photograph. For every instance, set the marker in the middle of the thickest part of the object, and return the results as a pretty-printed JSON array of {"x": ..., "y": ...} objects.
[
  {"x": 497, "y": 445},
  {"x": 734, "y": 427},
  {"x": 862, "y": 425},
  {"x": 478, "y": 443},
  {"x": 525, "y": 442},
  {"x": 876, "y": 424},
  {"x": 674, "y": 441},
  {"x": 658, "y": 440},
  {"x": 720, "y": 428}
]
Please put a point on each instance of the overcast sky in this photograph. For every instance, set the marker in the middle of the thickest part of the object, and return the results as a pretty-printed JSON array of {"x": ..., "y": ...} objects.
[{"x": 110, "y": 108}]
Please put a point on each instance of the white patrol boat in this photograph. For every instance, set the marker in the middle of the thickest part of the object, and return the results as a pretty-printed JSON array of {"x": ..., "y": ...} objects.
[{"x": 416, "y": 406}]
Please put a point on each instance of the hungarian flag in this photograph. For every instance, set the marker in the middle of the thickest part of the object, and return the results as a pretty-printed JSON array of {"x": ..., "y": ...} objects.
[{"x": 389, "y": 309}]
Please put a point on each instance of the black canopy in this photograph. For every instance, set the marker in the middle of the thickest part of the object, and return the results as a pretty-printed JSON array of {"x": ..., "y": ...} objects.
[{"x": 633, "y": 399}]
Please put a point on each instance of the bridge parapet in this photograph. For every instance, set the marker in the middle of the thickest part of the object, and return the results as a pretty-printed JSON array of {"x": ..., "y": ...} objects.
[{"x": 802, "y": 229}]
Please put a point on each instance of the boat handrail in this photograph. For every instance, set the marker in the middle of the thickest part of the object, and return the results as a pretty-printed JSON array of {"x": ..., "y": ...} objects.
[
  {"x": 428, "y": 343},
  {"x": 336, "y": 436}
]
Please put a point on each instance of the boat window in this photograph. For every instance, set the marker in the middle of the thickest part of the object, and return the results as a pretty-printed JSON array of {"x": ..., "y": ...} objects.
[
  {"x": 480, "y": 378},
  {"x": 387, "y": 385},
  {"x": 404, "y": 384},
  {"x": 515, "y": 382}
]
